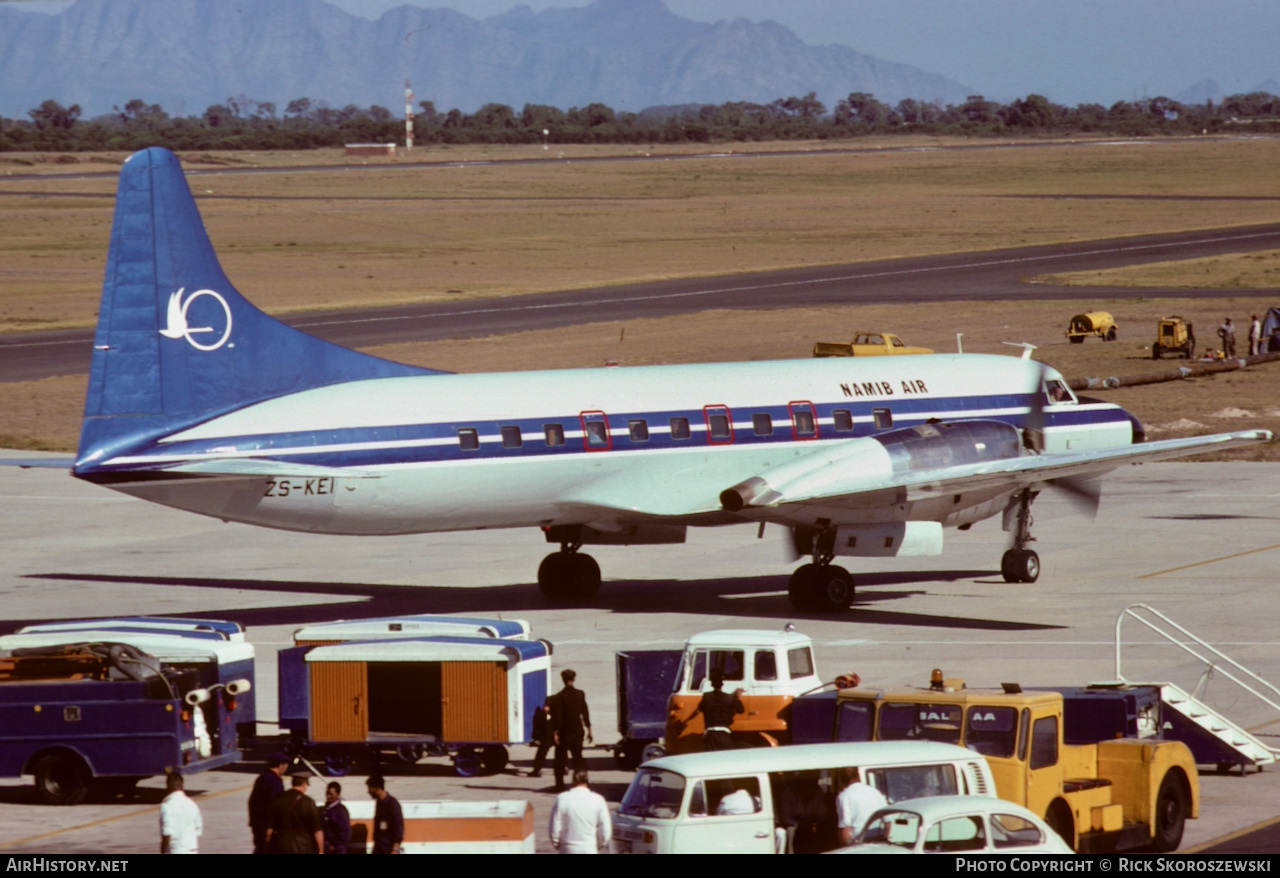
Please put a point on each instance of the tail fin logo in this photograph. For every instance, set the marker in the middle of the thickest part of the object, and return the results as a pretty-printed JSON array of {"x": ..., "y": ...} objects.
[{"x": 179, "y": 325}]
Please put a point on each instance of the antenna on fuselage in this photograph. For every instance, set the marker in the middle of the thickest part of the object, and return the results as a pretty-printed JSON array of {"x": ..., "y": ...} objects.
[{"x": 1027, "y": 347}]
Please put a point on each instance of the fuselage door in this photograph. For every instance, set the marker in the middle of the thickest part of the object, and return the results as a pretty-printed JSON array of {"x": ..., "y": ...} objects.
[
  {"x": 595, "y": 431},
  {"x": 719, "y": 424},
  {"x": 804, "y": 420}
]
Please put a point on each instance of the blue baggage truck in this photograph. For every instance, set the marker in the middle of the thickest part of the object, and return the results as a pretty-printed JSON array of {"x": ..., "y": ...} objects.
[
  {"x": 93, "y": 709},
  {"x": 645, "y": 678}
]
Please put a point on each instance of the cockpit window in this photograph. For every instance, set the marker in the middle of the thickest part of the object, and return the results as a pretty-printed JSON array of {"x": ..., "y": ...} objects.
[{"x": 1058, "y": 393}]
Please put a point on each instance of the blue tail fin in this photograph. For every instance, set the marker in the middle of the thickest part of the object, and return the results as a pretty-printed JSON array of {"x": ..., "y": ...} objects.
[{"x": 176, "y": 344}]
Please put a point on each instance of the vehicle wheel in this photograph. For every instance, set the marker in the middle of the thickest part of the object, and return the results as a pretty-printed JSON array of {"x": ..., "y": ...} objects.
[
  {"x": 337, "y": 764},
  {"x": 583, "y": 579},
  {"x": 1171, "y": 814},
  {"x": 62, "y": 779},
  {"x": 410, "y": 753},
  {"x": 1077, "y": 339},
  {"x": 1111, "y": 334},
  {"x": 1062, "y": 822},
  {"x": 494, "y": 758},
  {"x": 1155, "y": 351},
  {"x": 467, "y": 763},
  {"x": 651, "y": 752},
  {"x": 800, "y": 588},
  {"x": 1020, "y": 565},
  {"x": 552, "y": 573},
  {"x": 831, "y": 589}
]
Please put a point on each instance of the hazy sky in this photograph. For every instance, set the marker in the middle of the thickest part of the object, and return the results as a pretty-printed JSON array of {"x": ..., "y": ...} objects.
[{"x": 1071, "y": 51}]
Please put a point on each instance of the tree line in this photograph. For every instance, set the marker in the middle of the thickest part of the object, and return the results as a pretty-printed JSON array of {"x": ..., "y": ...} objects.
[{"x": 243, "y": 123}]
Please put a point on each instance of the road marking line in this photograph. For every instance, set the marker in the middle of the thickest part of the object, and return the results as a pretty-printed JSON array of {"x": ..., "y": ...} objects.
[
  {"x": 1210, "y": 561},
  {"x": 154, "y": 809},
  {"x": 1232, "y": 836}
]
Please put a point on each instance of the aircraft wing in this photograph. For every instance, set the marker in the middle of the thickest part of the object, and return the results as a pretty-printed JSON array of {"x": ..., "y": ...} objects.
[{"x": 833, "y": 481}]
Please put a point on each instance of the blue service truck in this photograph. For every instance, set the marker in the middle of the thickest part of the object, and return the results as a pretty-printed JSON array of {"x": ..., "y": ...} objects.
[{"x": 91, "y": 708}]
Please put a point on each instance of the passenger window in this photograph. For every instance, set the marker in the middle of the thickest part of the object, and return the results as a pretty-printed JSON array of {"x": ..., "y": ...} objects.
[
  {"x": 843, "y": 420},
  {"x": 914, "y": 781},
  {"x": 679, "y": 428},
  {"x": 955, "y": 835},
  {"x": 762, "y": 424},
  {"x": 1044, "y": 742},
  {"x": 511, "y": 437},
  {"x": 883, "y": 418},
  {"x": 595, "y": 431},
  {"x": 800, "y": 662},
  {"x": 639, "y": 430},
  {"x": 1011, "y": 831},
  {"x": 731, "y": 797},
  {"x": 553, "y": 433},
  {"x": 803, "y": 421},
  {"x": 766, "y": 666},
  {"x": 468, "y": 439}
]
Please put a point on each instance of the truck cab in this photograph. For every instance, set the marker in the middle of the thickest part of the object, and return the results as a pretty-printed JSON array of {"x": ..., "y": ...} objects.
[
  {"x": 1122, "y": 789},
  {"x": 771, "y": 667}
]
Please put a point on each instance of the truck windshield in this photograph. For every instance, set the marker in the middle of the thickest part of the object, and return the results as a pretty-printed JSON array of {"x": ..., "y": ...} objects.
[
  {"x": 654, "y": 793},
  {"x": 931, "y": 722}
]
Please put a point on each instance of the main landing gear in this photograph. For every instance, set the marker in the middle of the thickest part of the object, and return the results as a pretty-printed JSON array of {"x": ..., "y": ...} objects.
[
  {"x": 567, "y": 575},
  {"x": 1020, "y": 564},
  {"x": 821, "y": 587}
]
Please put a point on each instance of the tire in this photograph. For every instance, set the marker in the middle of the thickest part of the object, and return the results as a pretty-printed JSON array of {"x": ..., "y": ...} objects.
[
  {"x": 831, "y": 589},
  {"x": 1020, "y": 565},
  {"x": 62, "y": 779},
  {"x": 1077, "y": 339},
  {"x": 410, "y": 753},
  {"x": 583, "y": 579},
  {"x": 551, "y": 576},
  {"x": 1172, "y": 805},
  {"x": 1062, "y": 822},
  {"x": 467, "y": 763},
  {"x": 1155, "y": 351},
  {"x": 1111, "y": 334},
  {"x": 800, "y": 589},
  {"x": 494, "y": 758},
  {"x": 338, "y": 764}
]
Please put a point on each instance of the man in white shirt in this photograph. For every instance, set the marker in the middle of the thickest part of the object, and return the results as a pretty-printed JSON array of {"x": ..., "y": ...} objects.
[
  {"x": 580, "y": 822},
  {"x": 180, "y": 823},
  {"x": 855, "y": 805}
]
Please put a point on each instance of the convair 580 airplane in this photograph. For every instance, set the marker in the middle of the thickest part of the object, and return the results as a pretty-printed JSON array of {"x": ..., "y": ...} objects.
[{"x": 200, "y": 401}]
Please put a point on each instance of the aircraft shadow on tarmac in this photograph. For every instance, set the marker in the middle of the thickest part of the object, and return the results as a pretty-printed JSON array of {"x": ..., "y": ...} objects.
[{"x": 750, "y": 597}]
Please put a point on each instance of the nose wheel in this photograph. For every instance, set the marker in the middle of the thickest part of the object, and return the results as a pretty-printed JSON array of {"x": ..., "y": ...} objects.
[{"x": 1020, "y": 564}]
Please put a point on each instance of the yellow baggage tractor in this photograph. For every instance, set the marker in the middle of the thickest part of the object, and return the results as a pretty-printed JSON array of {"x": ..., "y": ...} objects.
[{"x": 465, "y": 697}]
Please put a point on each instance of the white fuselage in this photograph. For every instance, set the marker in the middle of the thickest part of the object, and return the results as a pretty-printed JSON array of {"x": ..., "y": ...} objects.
[{"x": 598, "y": 447}]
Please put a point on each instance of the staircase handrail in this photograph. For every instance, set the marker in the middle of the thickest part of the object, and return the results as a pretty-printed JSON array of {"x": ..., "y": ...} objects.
[{"x": 1216, "y": 666}]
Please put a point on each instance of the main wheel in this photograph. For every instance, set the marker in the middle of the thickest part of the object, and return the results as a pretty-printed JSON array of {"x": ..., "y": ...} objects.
[
  {"x": 410, "y": 753},
  {"x": 800, "y": 588},
  {"x": 1077, "y": 339},
  {"x": 62, "y": 779},
  {"x": 583, "y": 580},
  {"x": 551, "y": 576},
  {"x": 831, "y": 589},
  {"x": 1171, "y": 814},
  {"x": 1020, "y": 565}
]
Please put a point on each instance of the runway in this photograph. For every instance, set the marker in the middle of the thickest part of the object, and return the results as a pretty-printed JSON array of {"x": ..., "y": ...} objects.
[
  {"x": 987, "y": 276},
  {"x": 1199, "y": 542}
]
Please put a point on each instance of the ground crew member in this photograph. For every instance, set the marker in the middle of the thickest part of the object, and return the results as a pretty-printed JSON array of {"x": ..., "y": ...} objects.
[
  {"x": 580, "y": 821},
  {"x": 296, "y": 827},
  {"x": 268, "y": 785},
  {"x": 180, "y": 823},
  {"x": 718, "y": 709},
  {"x": 569, "y": 716},
  {"x": 388, "y": 819}
]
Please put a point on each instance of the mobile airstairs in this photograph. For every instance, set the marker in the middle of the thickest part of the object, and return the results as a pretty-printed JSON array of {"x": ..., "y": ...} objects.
[{"x": 1212, "y": 738}]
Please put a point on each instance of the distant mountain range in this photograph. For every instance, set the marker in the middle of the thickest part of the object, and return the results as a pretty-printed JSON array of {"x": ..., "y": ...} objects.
[{"x": 629, "y": 54}]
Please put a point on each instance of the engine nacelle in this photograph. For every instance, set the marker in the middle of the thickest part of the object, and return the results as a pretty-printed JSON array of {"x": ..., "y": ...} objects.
[
  {"x": 950, "y": 443},
  {"x": 897, "y": 539}
]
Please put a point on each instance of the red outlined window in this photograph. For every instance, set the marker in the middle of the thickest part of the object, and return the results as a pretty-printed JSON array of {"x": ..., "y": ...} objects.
[
  {"x": 719, "y": 424},
  {"x": 595, "y": 431},
  {"x": 804, "y": 420}
]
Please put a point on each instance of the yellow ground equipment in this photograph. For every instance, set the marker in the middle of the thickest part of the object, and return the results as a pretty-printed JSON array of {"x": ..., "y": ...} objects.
[
  {"x": 1174, "y": 336},
  {"x": 1097, "y": 323}
]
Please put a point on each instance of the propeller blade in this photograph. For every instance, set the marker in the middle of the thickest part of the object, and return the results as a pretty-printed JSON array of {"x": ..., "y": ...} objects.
[{"x": 1084, "y": 494}]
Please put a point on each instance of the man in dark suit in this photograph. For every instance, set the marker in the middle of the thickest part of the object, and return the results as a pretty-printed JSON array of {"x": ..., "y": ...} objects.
[
  {"x": 268, "y": 785},
  {"x": 569, "y": 718}
]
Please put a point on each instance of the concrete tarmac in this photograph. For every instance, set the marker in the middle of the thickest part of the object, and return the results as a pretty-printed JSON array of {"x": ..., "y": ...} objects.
[{"x": 1199, "y": 542}]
